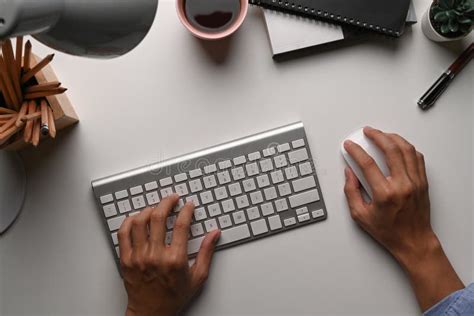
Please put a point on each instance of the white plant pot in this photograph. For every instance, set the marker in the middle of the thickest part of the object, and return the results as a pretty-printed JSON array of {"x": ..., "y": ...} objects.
[{"x": 430, "y": 31}]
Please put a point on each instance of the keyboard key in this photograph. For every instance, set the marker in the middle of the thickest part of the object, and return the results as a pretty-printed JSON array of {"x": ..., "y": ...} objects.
[
  {"x": 238, "y": 173},
  {"x": 280, "y": 161},
  {"x": 291, "y": 172},
  {"x": 275, "y": 222},
  {"x": 263, "y": 181},
  {"x": 317, "y": 213},
  {"x": 254, "y": 156},
  {"x": 109, "y": 210},
  {"x": 304, "y": 184},
  {"x": 200, "y": 214},
  {"x": 225, "y": 164},
  {"x": 166, "y": 192},
  {"x": 197, "y": 230},
  {"x": 220, "y": 193},
  {"x": 304, "y": 198},
  {"x": 267, "y": 209},
  {"x": 228, "y": 206},
  {"x": 116, "y": 222},
  {"x": 194, "y": 199},
  {"x": 194, "y": 245},
  {"x": 253, "y": 213},
  {"x": 117, "y": 251},
  {"x": 277, "y": 177},
  {"x": 166, "y": 181},
  {"x": 195, "y": 173},
  {"x": 249, "y": 185},
  {"x": 124, "y": 206},
  {"x": 170, "y": 221},
  {"x": 181, "y": 189},
  {"x": 211, "y": 225},
  {"x": 195, "y": 185},
  {"x": 301, "y": 211},
  {"x": 259, "y": 227},
  {"x": 239, "y": 217},
  {"x": 298, "y": 155},
  {"x": 297, "y": 143},
  {"x": 252, "y": 169},
  {"x": 270, "y": 194},
  {"x": 303, "y": 218},
  {"x": 284, "y": 189},
  {"x": 121, "y": 194},
  {"x": 223, "y": 177},
  {"x": 283, "y": 147},
  {"x": 106, "y": 199},
  {"x": 115, "y": 238},
  {"x": 289, "y": 221},
  {"x": 305, "y": 168},
  {"x": 214, "y": 210},
  {"x": 281, "y": 205},
  {"x": 152, "y": 198},
  {"x": 266, "y": 165},
  {"x": 269, "y": 152},
  {"x": 206, "y": 197},
  {"x": 180, "y": 177},
  {"x": 210, "y": 181},
  {"x": 178, "y": 206},
  {"x": 225, "y": 221},
  {"x": 256, "y": 197},
  {"x": 233, "y": 234},
  {"x": 151, "y": 186},
  {"x": 235, "y": 189},
  {"x": 136, "y": 190},
  {"x": 239, "y": 160},
  {"x": 210, "y": 169},
  {"x": 138, "y": 202}
]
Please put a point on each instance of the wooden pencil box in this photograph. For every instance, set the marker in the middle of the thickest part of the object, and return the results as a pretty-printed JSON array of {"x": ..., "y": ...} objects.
[{"x": 63, "y": 111}]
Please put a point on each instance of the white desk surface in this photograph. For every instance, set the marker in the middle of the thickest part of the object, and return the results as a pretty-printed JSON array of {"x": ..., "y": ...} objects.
[{"x": 172, "y": 95}]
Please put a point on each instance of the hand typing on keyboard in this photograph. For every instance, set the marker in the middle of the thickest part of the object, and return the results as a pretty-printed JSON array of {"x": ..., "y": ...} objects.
[
  {"x": 399, "y": 215},
  {"x": 157, "y": 276}
]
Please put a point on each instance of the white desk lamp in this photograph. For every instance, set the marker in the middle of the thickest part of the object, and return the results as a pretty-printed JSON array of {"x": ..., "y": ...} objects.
[{"x": 90, "y": 28}]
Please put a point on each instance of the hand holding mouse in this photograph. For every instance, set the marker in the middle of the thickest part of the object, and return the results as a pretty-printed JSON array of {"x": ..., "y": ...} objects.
[
  {"x": 398, "y": 217},
  {"x": 157, "y": 276}
]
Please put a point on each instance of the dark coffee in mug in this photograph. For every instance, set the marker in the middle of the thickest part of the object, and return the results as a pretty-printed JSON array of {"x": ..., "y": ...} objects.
[{"x": 212, "y": 15}]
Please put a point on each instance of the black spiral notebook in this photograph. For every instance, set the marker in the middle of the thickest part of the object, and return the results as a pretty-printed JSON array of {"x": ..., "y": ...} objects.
[{"x": 383, "y": 16}]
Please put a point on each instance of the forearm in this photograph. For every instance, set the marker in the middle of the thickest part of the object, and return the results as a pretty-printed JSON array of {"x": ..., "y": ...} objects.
[{"x": 431, "y": 274}]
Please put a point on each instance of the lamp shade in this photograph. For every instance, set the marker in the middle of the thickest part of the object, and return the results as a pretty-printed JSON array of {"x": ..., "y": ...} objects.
[{"x": 90, "y": 28}]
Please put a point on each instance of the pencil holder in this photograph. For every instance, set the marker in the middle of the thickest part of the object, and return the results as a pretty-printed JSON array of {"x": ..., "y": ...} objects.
[{"x": 33, "y": 105}]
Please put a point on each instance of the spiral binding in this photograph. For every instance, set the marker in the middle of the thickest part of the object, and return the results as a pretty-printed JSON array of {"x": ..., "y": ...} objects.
[{"x": 314, "y": 12}]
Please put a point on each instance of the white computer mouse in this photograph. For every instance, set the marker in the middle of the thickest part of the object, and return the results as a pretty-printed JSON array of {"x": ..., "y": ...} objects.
[{"x": 359, "y": 137}]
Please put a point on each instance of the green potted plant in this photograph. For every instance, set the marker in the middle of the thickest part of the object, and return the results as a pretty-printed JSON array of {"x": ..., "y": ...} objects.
[{"x": 448, "y": 20}]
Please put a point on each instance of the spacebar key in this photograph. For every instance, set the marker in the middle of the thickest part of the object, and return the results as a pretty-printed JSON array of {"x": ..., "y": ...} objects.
[
  {"x": 304, "y": 198},
  {"x": 234, "y": 234}
]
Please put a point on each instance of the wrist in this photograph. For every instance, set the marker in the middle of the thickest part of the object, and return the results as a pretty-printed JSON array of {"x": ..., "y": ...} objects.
[
  {"x": 136, "y": 312},
  {"x": 415, "y": 255}
]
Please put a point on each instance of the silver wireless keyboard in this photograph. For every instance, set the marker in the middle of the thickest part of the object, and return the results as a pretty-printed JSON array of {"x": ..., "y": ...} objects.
[{"x": 249, "y": 188}]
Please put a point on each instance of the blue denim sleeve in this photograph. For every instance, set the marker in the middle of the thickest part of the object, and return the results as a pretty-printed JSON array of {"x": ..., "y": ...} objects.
[{"x": 460, "y": 303}]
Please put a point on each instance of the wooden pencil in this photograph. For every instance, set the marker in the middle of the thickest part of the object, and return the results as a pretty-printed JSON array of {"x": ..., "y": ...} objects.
[
  {"x": 10, "y": 63},
  {"x": 33, "y": 71},
  {"x": 42, "y": 94},
  {"x": 7, "y": 116},
  {"x": 19, "y": 54},
  {"x": 27, "y": 58},
  {"x": 28, "y": 132},
  {"x": 44, "y": 118},
  {"x": 9, "y": 132},
  {"x": 52, "y": 123},
  {"x": 8, "y": 83},
  {"x": 33, "y": 116},
  {"x": 4, "y": 91},
  {"x": 21, "y": 114},
  {"x": 6, "y": 111},
  {"x": 35, "y": 138},
  {"x": 8, "y": 124},
  {"x": 43, "y": 87}
]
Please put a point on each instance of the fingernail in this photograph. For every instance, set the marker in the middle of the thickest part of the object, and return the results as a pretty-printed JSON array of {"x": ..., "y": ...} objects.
[{"x": 347, "y": 143}]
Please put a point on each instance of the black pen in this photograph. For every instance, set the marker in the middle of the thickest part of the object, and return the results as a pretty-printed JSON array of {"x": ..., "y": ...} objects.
[{"x": 433, "y": 93}]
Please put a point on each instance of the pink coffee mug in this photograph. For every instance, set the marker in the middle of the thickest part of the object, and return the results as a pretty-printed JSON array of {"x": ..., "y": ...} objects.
[{"x": 244, "y": 6}]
